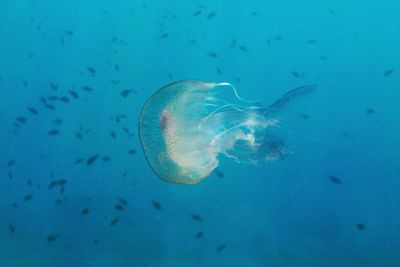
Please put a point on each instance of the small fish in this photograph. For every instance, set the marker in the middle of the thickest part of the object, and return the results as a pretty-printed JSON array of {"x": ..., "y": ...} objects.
[
  {"x": 74, "y": 94},
  {"x": 278, "y": 38},
  {"x": 221, "y": 248},
  {"x": 126, "y": 93},
  {"x": 11, "y": 163},
  {"x": 312, "y": 41},
  {"x": 85, "y": 212},
  {"x": 53, "y": 86},
  {"x": 218, "y": 70},
  {"x": 243, "y": 48},
  {"x": 91, "y": 160},
  {"x": 21, "y": 119},
  {"x": 296, "y": 74},
  {"x": 69, "y": 32},
  {"x": 52, "y": 238},
  {"x": 78, "y": 161},
  {"x": 58, "y": 121},
  {"x": 53, "y": 132},
  {"x": 197, "y": 218},
  {"x": 33, "y": 110},
  {"x": 106, "y": 158},
  {"x": 370, "y": 111},
  {"x": 211, "y": 15},
  {"x": 197, "y": 13},
  {"x": 360, "y": 226},
  {"x": 12, "y": 229},
  {"x": 25, "y": 83},
  {"x": 114, "y": 221},
  {"x": 132, "y": 151},
  {"x": 79, "y": 135},
  {"x": 388, "y": 72},
  {"x": 91, "y": 70},
  {"x": 212, "y": 54},
  {"x": 219, "y": 173},
  {"x": 335, "y": 179},
  {"x": 51, "y": 107},
  {"x": 119, "y": 207},
  {"x": 87, "y": 88},
  {"x": 64, "y": 99},
  {"x": 156, "y": 205},
  {"x": 199, "y": 235},
  {"x": 28, "y": 197},
  {"x": 305, "y": 116},
  {"x": 113, "y": 134},
  {"x": 164, "y": 36},
  {"x": 123, "y": 201}
]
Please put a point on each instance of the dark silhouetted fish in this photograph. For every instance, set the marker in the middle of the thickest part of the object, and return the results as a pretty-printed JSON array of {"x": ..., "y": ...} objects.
[
  {"x": 91, "y": 160},
  {"x": 119, "y": 207},
  {"x": 199, "y": 235},
  {"x": 53, "y": 237},
  {"x": 51, "y": 107},
  {"x": 74, "y": 94},
  {"x": 33, "y": 110},
  {"x": 132, "y": 151},
  {"x": 64, "y": 99},
  {"x": 156, "y": 205},
  {"x": 91, "y": 70},
  {"x": 197, "y": 13},
  {"x": 28, "y": 197},
  {"x": 164, "y": 36},
  {"x": 243, "y": 48},
  {"x": 221, "y": 248},
  {"x": 113, "y": 134},
  {"x": 114, "y": 221},
  {"x": 361, "y": 226},
  {"x": 126, "y": 93},
  {"x": 211, "y": 15},
  {"x": 87, "y": 88},
  {"x": 11, "y": 163},
  {"x": 58, "y": 121},
  {"x": 85, "y": 212},
  {"x": 21, "y": 119},
  {"x": 335, "y": 179},
  {"x": 123, "y": 201},
  {"x": 370, "y": 111},
  {"x": 53, "y": 132},
  {"x": 388, "y": 72},
  {"x": 116, "y": 67},
  {"x": 69, "y": 32},
  {"x": 219, "y": 173},
  {"x": 305, "y": 116},
  {"x": 196, "y": 217},
  {"x": 106, "y": 158},
  {"x": 297, "y": 74},
  {"x": 212, "y": 54},
  {"x": 78, "y": 161},
  {"x": 12, "y": 229}
]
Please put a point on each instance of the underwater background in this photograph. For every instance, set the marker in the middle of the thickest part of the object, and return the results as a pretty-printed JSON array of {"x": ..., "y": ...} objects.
[{"x": 75, "y": 187}]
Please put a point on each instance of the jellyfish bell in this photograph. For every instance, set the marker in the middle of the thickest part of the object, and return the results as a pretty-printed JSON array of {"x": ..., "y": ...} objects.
[{"x": 186, "y": 125}]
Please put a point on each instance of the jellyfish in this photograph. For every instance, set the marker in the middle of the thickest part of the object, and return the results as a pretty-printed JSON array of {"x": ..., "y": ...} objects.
[{"x": 185, "y": 126}]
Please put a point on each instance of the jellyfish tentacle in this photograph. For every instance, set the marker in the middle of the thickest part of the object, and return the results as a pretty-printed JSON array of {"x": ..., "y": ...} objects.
[{"x": 221, "y": 84}]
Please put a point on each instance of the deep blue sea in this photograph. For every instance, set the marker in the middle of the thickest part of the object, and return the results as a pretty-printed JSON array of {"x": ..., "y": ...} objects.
[{"x": 75, "y": 186}]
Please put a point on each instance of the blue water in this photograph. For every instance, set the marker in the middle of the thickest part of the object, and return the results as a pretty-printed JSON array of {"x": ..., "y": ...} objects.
[{"x": 332, "y": 201}]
